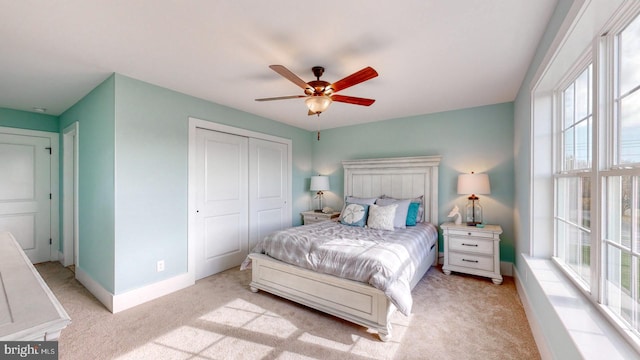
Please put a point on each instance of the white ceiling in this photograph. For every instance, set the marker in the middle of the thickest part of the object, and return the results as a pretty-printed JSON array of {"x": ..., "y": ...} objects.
[{"x": 432, "y": 55}]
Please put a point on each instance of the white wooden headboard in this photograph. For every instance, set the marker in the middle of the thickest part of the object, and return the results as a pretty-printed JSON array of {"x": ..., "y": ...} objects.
[{"x": 402, "y": 178}]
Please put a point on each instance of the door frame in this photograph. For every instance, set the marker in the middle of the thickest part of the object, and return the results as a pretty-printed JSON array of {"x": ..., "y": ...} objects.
[
  {"x": 54, "y": 182},
  {"x": 70, "y": 157},
  {"x": 193, "y": 125}
]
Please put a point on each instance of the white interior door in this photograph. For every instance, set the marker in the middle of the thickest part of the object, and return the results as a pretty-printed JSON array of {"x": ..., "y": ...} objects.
[
  {"x": 25, "y": 190},
  {"x": 221, "y": 202},
  {"x": 268, "y": 188}
]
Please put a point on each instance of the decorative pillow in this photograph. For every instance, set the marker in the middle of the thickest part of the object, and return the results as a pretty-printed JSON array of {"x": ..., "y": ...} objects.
[
  {"x": 418, "y": 199},
  {"x": 355, "y": 214},
  {"x": 381, "y": 217},
  {"x": 356, "y": 200},
  {"x": 359, "y": 200},
  {"x": 412, "y": 214},
  {"x": 400, "y": 220}
]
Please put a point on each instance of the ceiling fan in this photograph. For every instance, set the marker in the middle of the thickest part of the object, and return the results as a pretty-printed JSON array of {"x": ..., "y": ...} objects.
[{"x": 319, "y": 93}]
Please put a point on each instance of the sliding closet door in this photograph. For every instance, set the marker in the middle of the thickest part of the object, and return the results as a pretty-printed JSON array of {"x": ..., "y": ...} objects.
[
  {"x": 221, "y": 200},
  {"x": 268, "y": 188}
]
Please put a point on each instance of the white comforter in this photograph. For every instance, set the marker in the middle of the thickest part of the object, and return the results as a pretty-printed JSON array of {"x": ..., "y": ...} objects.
[{"x": 387, "y": 260}]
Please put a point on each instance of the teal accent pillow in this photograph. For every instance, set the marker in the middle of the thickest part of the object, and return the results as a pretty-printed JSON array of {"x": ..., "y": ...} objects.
[
  {"x": 412, "y": 214},
  {"x": 355, "y": 214}
]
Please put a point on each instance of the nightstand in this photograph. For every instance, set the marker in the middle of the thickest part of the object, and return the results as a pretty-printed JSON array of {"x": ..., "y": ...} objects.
[
  {"x": 310, "y": 217},
  {"x": 472, "y": 250}
]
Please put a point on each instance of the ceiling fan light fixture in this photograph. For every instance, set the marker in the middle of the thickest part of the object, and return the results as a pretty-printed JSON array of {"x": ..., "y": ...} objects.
[{"x": 318, "y": 103}]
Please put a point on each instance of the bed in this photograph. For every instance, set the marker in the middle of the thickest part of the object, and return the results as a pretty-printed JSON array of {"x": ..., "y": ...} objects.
[{"x": 358, "y": 301}]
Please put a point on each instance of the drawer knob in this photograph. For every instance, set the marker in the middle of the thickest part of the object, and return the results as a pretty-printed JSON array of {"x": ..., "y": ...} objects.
[
  {"x": 476, "y": 245},
  {"x": 471, "y": 261},
  {"x": 469, "y": 234}
]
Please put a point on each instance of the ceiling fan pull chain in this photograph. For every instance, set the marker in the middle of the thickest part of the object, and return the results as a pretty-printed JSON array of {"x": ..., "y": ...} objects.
[{"x": 318, "y": 135}]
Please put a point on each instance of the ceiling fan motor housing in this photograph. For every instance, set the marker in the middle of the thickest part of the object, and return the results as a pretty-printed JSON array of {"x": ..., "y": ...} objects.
[{"x": 320, "y": 87}]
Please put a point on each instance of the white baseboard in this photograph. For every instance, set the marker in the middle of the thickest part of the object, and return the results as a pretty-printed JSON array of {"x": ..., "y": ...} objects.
[
  {"x": 150, "y": 292},
  {"x": 104, "y": 296},
  {"x": 129, "y": 299},
  {"x": 536, "y": 329}
]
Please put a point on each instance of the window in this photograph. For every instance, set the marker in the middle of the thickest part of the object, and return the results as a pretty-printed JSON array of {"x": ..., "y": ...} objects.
[
  {"x": 597, "y": 178},
  {"x": 627, "y": 93},
  {"x": 573, "y": 180},
  {"x": 621, "y": 184}
]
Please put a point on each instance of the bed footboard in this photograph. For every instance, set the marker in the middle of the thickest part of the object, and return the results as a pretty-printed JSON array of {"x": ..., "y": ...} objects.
[{"x": 346, "y": 299}]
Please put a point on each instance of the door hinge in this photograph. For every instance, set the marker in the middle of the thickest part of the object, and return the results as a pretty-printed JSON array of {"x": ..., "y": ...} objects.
[
  {"x": 50, "y": 196},
  {"x": 48, "y": 148},
  {"x": 50, "y": 241}
]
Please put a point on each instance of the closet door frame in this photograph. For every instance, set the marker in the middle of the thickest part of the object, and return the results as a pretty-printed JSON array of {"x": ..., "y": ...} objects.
[{"x": 195, "y": 123}]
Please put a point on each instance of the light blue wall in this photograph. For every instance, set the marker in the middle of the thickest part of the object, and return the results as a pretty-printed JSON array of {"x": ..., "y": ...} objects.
[
  {"x": 96, "y": 134},
  {"x": 151, "y": 157},
  {"x": 28, "y": 120},
  {"x": 476, "y": 139},
  {"x": 560, "y": 344},
  {"x": 522, "y": 132}
]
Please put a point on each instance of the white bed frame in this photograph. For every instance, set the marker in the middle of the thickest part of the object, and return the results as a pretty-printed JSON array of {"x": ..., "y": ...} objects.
[{"x": 360, "y": 303}]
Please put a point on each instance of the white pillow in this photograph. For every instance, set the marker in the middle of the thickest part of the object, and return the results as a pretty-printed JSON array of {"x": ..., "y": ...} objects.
[
  {"x": 381, "y": 217},
  {"x": 400, "y": 220}
]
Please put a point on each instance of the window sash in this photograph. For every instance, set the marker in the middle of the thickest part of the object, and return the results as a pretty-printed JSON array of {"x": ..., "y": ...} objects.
[{"x": 576, "y": 113}]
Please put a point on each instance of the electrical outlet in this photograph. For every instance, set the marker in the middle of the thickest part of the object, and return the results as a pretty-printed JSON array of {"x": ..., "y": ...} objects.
[{"x": 160, "y": 266}]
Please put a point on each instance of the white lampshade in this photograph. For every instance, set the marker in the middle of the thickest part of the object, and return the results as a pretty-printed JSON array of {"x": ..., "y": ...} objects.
[
  {"x": 318, "y": 103},
  {"x": 473, "y": 184},
  {"x": 319, "y": 183}
]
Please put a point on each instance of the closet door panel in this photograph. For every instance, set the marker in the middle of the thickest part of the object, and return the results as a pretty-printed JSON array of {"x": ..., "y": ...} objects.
[
  {"x": 269, "y": 186},
  {"x": 222, "y": 201}
]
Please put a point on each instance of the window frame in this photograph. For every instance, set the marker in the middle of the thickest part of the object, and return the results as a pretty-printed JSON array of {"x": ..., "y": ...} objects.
[{"x": 605, "y": 162}]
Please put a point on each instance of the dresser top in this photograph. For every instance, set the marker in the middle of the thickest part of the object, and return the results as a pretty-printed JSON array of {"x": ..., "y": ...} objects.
[{"x": 465, "y": 227}]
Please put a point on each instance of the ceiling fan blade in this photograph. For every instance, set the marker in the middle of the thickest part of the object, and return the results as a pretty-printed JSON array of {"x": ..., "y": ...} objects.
[
  {"x": 281, "y": 98},
  {"x": 286, "y": 73},
  {"x": 354, "y": 79},
  {"x": 352, "y": 100}
]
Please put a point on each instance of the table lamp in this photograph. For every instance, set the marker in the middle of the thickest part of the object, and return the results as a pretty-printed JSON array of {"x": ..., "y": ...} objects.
[
  {"x": 473, "y": 184},
  {"x": 320, "y": 184}
]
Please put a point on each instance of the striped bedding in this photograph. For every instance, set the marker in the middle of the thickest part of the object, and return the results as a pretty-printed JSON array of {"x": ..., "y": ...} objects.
[{"x": 387, "y": 260}]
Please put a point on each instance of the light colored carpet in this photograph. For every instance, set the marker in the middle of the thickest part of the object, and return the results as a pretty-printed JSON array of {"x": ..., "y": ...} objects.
[{"x": 454, "y": 317}]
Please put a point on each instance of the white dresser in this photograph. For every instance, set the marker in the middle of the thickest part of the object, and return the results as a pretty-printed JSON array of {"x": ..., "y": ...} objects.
[
  {"x": 472, "y": 250},
  {"x": 28, "y": 309}
]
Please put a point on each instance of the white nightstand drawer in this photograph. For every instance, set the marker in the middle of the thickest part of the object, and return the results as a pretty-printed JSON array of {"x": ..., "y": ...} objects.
[
  {"x": 312, "y": 217},
  {"x": 472, "y": 245},
  {"x": 471, "y": 261},
  {"x": 472, "y": 232}
]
